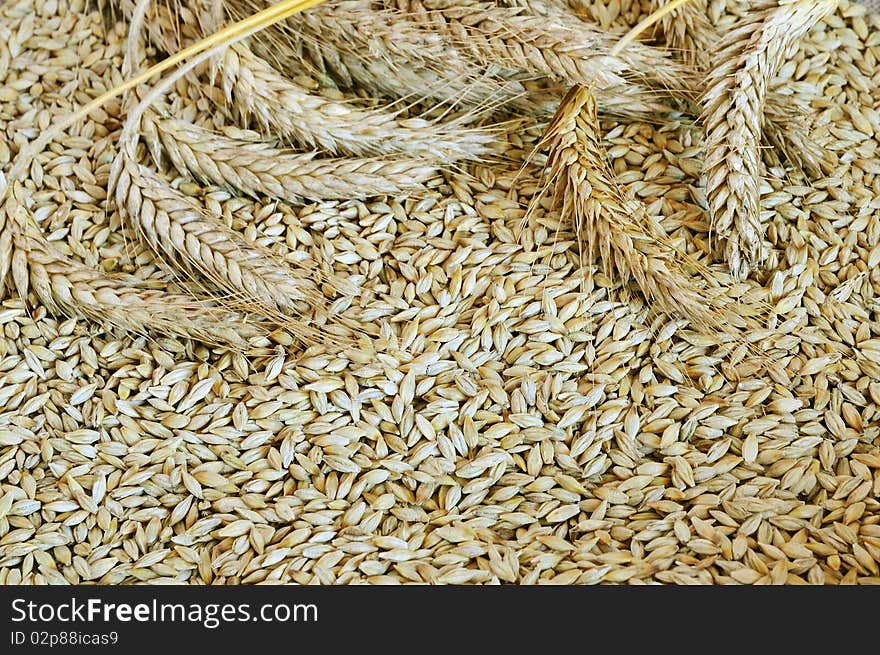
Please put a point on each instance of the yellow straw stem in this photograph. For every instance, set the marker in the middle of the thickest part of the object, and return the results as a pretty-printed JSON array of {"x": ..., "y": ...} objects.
[{"x": 644, "y": 24}]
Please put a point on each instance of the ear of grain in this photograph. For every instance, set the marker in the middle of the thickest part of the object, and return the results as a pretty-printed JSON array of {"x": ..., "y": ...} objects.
[
  {"x": 257, "y": 91},
  {"x": 257, "y": 168},
  {"x": 381, "y": 52},
  {"x": 734, "y": 106},
  {"x": 176, "y": 227},
  {"x": 689, "y": 33},
  {"x": 72, "y": 289},
  {"x": 621, "y": 233},
  {"x": 556, "y": 45},
  {"x": 692, "y": 37}
]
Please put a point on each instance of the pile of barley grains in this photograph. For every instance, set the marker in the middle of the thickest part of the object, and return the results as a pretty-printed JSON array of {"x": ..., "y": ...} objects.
[{"x": 508, "y": 422}]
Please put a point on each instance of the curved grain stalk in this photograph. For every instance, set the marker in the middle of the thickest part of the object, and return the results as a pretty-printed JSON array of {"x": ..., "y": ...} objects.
[{"x": 750, "y": 56}]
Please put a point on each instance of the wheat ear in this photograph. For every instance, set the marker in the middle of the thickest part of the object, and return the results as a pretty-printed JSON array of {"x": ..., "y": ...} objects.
[
  {"x": 621, "y": 233},
  {"x": 689, "y": 33},
  {"x": 176, "y": 226},
  {"x": 556, "y": 44},
  {"x": 734, "y": 107},
  {"x": 691, "y": 36},
  {"x": 382, "y": 53},
  {"x": 70, "y": 288},
  {"x": 651, "y": 65},
  {"x": 259, "y": 92},
  {"x": 257, "y": 168},
  {"x": 396, "y": 54}
]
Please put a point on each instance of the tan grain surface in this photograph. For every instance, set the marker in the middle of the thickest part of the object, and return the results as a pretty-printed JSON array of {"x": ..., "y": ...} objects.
[{"x": 507, "y": 422}]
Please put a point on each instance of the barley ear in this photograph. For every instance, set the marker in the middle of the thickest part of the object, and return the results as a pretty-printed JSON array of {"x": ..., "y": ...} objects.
[
  {"x": 749, "y": 56},
  {"x": 619, "y": 234}
]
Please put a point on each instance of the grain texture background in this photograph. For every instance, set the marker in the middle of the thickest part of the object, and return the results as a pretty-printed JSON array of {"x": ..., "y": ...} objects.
[{"x": 507, "y": 422}]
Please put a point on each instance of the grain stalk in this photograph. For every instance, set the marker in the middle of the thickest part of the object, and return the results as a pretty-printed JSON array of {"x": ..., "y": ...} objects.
[
  {"x": 257, "y": 168},
  {"x": 734, "y": 109},
  {"x": 175, "y": 226},
  {"x": 620, "y": 232}
]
